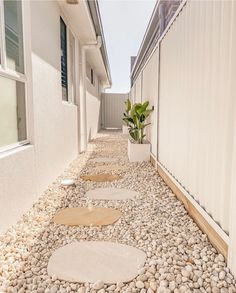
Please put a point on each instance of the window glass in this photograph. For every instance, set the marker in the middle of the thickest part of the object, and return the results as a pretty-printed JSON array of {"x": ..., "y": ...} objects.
[
  {"x": 0, "y": 41},
  {"x": 14, "y": 35},
  {"x": 12, "y": 112},
  {"x": 92, "y": 77},
  {"x": 64, "y": 81},
  {"x": 72, "y": 66}
]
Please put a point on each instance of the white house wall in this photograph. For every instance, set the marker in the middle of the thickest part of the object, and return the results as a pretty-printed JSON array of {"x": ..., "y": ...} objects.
[
  {"x": 55, "y": 121},
  {"x": 17, "y": 185},
  {"x": 93, "y": 106},
  {"x": 150, "y": 93},
  {"x": 196, "y": 105},
  {"x": 26, "y": 171}
]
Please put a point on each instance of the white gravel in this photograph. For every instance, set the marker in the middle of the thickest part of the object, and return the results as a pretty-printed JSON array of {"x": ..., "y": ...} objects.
[{"x": 180, "y": 258}]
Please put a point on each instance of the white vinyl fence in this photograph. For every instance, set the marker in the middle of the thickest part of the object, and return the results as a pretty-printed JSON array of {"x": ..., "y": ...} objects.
[{"x": 113, "y": 108}]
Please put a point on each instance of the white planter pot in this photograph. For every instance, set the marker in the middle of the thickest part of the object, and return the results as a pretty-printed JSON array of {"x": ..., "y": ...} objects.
[
  {"x": 139, "y": 152},
  {"x": 125, "y": 129}
]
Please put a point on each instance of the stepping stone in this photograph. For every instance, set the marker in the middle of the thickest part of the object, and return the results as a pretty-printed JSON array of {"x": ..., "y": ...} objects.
[
  {"x": 103, "y": 160},
  {"x": 90, "y": 261},
  {"x": 100, "y": 177},
  {"x": 67, "y": 182},
  {"x": 87, "y": 216},
  {"x": 111, "y": 194},
  {"x": 110, "y": 167}
]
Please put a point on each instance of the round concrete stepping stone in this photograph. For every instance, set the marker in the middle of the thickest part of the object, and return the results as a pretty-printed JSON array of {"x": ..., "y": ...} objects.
[
  {"x": 90, "y": 261},
  {"x": 67, "y": 182},
  {"x": 111, "y": 194},
  {"x": 100, "y": 177},
  {"x": 103, "y": 160},
  {"x": 87, "y": 216},
  {"x": 110, "y": 167}
]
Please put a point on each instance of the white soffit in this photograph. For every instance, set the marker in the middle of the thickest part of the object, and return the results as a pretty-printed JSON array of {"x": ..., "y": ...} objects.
[{"x": 78, "y": 17}]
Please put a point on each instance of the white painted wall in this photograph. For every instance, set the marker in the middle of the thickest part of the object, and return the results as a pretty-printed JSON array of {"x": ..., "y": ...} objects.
[
  {"x": 196, "y": 105},
  {"x": 17, "y": 184},
  {"x": 150, "y": 93},
  {"x": 93, "y": 106},
  {"x": 55, "y": 121},
  {"x": 27, "y": 171}
]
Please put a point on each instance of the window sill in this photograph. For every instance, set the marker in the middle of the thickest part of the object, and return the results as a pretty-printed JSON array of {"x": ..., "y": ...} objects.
[
  {"x": 11, "y": 150},
  {"x": 69, "y": 104}
]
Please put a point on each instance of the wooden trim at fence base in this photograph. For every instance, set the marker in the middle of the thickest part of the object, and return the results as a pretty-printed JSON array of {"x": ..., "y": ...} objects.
[
  {"x": 217, "y": 241},
  {"x": 153, "y": 160}
]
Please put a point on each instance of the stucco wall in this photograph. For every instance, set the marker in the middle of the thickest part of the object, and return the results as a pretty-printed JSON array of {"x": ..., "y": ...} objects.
[
  {"x": 17, "y": 184},
  {"x": 27, "y": 171},
  {"x": 93, "y": 106},
  {"x": 55, "y": 121}
]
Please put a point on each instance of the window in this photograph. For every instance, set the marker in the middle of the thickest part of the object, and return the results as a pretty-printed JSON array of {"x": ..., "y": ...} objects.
[
  {"x": 14, "y": 35},
  {"x": 67, "y": 63},
  {"x": 12, "y": 112},
  {"x": 91, "y": 76},
  {"x": 72, "y": 67},
  {"x": 13, "y": 122},
  {"x": 64, "y": 81}
]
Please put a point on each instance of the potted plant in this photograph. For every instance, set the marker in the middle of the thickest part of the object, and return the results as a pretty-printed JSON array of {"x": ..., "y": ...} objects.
[
  {"x": 138, "y": 148},
  {"x": 125, "y": 128}
]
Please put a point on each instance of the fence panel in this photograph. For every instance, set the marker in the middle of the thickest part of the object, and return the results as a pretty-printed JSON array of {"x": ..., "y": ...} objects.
[
  {"x": 196, "y": 112},
  {"x": 112, "y": 110}
]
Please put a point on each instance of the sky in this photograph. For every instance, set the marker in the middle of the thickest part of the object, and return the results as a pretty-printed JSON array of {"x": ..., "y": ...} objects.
[{"x": 124, "y": 24}]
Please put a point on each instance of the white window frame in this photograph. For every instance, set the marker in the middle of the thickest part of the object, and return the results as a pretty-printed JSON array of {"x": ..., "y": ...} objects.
[
  {"x": 11, "y": 74},
  {"x": 71, "y": 97}
]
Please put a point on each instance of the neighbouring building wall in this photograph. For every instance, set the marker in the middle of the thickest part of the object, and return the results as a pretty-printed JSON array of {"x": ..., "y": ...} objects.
[
  {"x": 197, "y": 106},
  {"x": 55, "y": 121},
  {"x": 150, "y": 93}
]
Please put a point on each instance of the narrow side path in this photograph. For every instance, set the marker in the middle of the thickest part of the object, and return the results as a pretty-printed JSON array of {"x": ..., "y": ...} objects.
[{"x": 179, "y": 256}]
